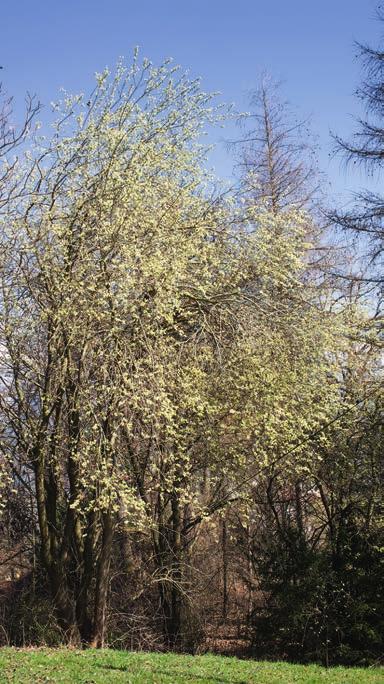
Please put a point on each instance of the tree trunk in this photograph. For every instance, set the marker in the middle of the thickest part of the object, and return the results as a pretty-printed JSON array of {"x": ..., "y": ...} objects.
[
  {"x": 102, "y": 582},
  {"x": 53, "y": 561},
  {"x": 225, "y": 569},
  {"x": 174, "y": 622}
]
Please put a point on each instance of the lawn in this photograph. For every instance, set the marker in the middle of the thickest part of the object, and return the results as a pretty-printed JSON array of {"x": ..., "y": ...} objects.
[{"x": 104, "y": 667}]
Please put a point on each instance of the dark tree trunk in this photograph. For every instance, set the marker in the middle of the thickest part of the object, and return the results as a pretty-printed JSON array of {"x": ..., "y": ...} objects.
[
  {"x": 225, "y": 569},
  {"x": 102, "y": 583},
  {"x": 174, "y": 623}
]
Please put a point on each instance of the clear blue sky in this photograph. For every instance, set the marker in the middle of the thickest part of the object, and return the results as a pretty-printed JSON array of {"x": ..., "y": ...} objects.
[{"x": 306, "y": 43}]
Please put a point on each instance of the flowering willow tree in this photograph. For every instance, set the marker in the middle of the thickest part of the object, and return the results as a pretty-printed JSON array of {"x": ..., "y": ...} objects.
[
  {"x": 153, "y": 354},
  {"x": 98, "y": 274}
]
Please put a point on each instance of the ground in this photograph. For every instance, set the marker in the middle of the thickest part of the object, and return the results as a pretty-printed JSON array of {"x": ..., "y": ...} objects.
[{"x": 38, "y": 666}]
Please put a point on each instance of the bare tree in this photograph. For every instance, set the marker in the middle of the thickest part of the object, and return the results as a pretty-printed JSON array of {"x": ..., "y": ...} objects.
[{"x": 276, "y": 155}]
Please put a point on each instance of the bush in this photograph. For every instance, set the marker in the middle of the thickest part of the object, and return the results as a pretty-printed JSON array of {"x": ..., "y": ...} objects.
[
  {"x": 322, "y": 605},
  {"x": 28, "y": 617}
]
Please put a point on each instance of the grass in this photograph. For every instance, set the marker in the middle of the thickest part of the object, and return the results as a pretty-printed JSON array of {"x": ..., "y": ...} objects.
[{"x": 48, "y": 666}]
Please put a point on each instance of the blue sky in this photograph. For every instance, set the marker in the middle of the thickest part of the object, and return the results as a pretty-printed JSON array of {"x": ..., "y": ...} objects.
[{"x": 306, "y": 43}]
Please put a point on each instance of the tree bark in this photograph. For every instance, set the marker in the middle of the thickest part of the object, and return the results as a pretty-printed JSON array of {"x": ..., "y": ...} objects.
[{"x": 102, "y": 582}]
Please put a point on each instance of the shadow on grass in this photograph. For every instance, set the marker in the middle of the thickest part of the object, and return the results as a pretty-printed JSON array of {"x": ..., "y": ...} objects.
[{"x": 181, "y": 676}]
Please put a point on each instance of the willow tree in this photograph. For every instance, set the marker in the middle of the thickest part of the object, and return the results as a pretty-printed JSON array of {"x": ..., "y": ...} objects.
[
  {"x": 157, "y": 348},
  {"x": 100, "y": 264},
  {"x": 274, "y": 382}
]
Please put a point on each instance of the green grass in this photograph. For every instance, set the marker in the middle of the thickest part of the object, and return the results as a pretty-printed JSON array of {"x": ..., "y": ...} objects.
[{"x": 106, "y": 667}]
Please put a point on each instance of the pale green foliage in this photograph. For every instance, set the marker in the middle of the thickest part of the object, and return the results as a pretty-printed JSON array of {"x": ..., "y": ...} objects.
[
  {"x": 147, "y": 339},
  {"x": 277, "y": 380},
  {"x": 113, "y": 236}
]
